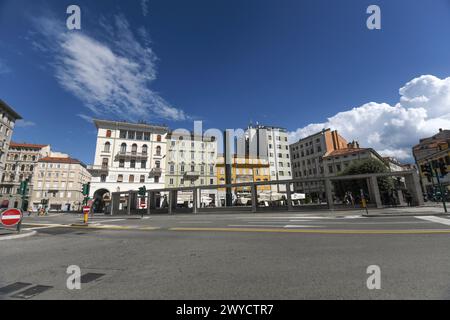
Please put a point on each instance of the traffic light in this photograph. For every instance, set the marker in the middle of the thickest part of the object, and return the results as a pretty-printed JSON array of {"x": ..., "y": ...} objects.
[
  {"x": 23, "y": 190},
  {"x": 142, "y": 191},
  {"x": 427, "y": 170},
  {"x": 86, "y": 189},
  {"x": 443, "y": 168}
]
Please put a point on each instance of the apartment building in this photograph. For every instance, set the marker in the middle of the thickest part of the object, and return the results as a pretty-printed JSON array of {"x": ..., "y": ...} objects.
[
  {"x": 59, "y": 180},
  {"x": 307, "y": 160},
  {"x": 191, "y": 160},
  {"x": 7, "y": 123},
  {"x": 21, "y": 162},
  {"x": 244, "y": 169},
  {"x": 127, "y": 157},
  {"x": 434, "y": 150},
  {"x": 271, "y": 143},
  {"x": 335, "y": 162}
]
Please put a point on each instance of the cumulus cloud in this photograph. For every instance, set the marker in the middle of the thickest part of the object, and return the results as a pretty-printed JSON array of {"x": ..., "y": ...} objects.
[
  {"x": 111, "y": 75},
  {"x": 424, "y": 107}
]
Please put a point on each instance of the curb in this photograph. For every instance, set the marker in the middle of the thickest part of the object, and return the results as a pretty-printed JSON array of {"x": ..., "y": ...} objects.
[
  {"x": 18, "y": 236},
  {"x": 387, "y": 215}
]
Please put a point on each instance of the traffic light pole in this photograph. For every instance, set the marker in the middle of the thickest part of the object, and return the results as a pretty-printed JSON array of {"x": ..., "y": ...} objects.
[{"x": 441, "y": 189}]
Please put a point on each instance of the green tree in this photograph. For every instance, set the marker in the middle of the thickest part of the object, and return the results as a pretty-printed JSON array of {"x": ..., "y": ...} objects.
[{"x": 363, "y": 167}]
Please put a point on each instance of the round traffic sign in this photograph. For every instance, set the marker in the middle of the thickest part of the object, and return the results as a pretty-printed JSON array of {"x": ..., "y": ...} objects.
[
  {"x": 11, "y": 217},
  {"x": 86, "y": 210}
]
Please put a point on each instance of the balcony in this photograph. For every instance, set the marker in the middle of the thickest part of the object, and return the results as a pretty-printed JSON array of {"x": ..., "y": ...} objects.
[
  {"x": 189, "y": 175},
  {"x": 132, "y": 155},
  {"x": 98, "y": 170},
  {"x": 156, "y": 172}
]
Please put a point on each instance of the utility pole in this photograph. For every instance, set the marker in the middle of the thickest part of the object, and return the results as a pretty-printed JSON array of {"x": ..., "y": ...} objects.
[{"x": 441, "y": 189}]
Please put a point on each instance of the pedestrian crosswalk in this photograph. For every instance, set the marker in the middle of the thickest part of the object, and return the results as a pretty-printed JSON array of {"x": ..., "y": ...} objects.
[{"x": 435, "y": 219}]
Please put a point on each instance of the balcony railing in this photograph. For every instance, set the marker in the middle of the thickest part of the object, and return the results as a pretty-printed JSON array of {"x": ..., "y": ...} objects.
[
  {"x": 155, "y": 172},
  {"x": 132, "y": 155}
]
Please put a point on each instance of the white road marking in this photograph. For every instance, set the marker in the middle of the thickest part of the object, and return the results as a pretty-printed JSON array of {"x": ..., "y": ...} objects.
[
  {"x": 435, "y": 219},
  {"x": 299, "y": 226},
  {"x": 254, "y": 225},
  {"x": 114, "y": 220}
]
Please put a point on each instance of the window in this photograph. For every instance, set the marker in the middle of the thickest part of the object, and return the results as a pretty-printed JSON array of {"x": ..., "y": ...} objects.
[
  {"x": 158, "y": 164},
  {"x": 139, "y": 135},
  {"x": 123, "y": 148},
  {"x": 107, "y": 147},
  {"x": 103, "y": 178},
  {"x": 131, "y": 179},
  {"x": 133, "y": 164},
  {"x": 159, "y": 138},
  {"x": 144, "y": 149},
  {"x": 121, "y": 163},
  {"x": 134, "y": 149},
  {"x": 156, "y": 179},
  {"x": 171, "y": 181},
  {"x": 123, "y": 134},
  {"x": 120, "y": 178},
  {"x": 147, "y": 136},
  {"x": 105, "y": 162},
  {"x": 158, "y": 151},
  {"x": 131, "y": 135},
  {"x": 108, "y": 133},
  {"x": 142, "y": 179},
  {"x": 172, "y": 169},
  {"x": 143, "y": 164}
]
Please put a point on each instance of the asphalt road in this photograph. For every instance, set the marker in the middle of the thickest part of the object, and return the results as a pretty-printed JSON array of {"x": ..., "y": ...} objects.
[{"x": 263, "y": 256}]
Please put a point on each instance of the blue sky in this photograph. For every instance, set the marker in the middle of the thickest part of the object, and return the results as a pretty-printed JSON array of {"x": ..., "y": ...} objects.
[{"x": 299, "y": 64}]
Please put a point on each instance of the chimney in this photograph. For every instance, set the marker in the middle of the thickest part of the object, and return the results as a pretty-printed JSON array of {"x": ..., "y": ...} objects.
[{"x": 440, "y": 130}]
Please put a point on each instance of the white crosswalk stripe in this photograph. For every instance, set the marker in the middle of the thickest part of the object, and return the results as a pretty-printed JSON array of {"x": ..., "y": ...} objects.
[{"x": 435, "y": 219}]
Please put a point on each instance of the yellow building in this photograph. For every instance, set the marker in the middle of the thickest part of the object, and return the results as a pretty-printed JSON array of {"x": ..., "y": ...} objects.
[{"x": 244, "y": 169}]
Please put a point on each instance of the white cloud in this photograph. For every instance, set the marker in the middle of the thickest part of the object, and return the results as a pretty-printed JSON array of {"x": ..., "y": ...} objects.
[
  {"x": 144, "y": 5},
  {"x": 86, "y": 118},
  {"x": 424, "y": 107},
  {"x": 110, "y": 76},
  {"x": 25, "y": 124}
]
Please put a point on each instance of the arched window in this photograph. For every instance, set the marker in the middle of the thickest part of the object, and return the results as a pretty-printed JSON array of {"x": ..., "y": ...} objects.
[
  {"x": 31, "y": 168},
  {"x": 131, "y": 179},
  {"x": 134, "y": 149},
  {"x": 108, "y": 133},
  {"x": 24, "y": 158},
  {"x": 34, "y": 158},
  {"x": 123, "y": 148},
  {"x": 107, "y": 147},
  {"x": 13, "y": 167},
  {"x": 16, "y": 157},
  {"x": 158, "y": 150},
  {"x": 144, "y": 149},
  {"x": 158, "y": 138},
  {"x": 120, "y": 178},
  {"x": 22, "y": 168},
  {"x": 158, "y": 164},
  {"x": 103, "y": 178}
]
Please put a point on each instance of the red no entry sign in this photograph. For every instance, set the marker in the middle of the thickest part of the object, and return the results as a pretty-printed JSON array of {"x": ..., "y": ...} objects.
[
  {"x": 11, "y": 217},
  {"x": 86, "y": 210}
]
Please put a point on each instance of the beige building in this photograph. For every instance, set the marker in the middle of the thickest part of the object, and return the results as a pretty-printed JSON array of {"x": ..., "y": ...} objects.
[
  {"x": 7, "y": 123},
  {"x": 59, "y": 180},
  {"x": 191, "y": 160},
  {"x": 308, "y": 160},
  {"x": 21, "y": 162}
]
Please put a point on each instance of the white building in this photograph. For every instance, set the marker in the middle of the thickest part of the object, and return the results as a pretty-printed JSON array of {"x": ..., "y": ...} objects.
[
  {"x": 128, "y": 156},
  {"x": 7, "y": 122},
  {"x": 271, "y": 143}
]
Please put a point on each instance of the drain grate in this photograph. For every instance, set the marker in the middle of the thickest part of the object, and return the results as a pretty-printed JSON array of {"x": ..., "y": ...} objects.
[
  {"x": 14, "y": 287},
  {"x": 90, "y": 277},
  {"x": 31, "y": 292}
]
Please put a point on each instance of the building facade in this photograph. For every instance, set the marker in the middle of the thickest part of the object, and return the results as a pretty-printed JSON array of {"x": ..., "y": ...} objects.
[
  {"x": 191, "y": 160},
  {"x": 7, "y": 123},
  {"x": 244, "y": 169},
  {"x": 127, "y": 156},
  {"x": 338, "y": 161},
  {"x": 434, "y": 150},
  {"x": 271, "y": 143},
  {"x": 308, "y": 160},
  {"x": 21, "y": 163},
  {"x": 59, "y": 181}
]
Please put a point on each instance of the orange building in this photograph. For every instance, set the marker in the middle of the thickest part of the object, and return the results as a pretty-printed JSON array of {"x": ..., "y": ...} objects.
[{"x": 244, "y": 169}]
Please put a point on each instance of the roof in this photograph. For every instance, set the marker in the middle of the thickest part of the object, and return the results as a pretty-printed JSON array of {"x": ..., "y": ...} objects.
[
  {"x": 10, "y": 110},
  {"x": 61, "y": 160},
  {"x": 127, "y": 125},
  {"x": 27, "y": 145},
  {"x": 342, "y": 152}
]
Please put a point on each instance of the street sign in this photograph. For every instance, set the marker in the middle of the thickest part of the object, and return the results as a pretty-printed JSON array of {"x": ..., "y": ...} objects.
[
  {"x": 11, "y": 217},
  {"x": 86, "y": 210}
]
